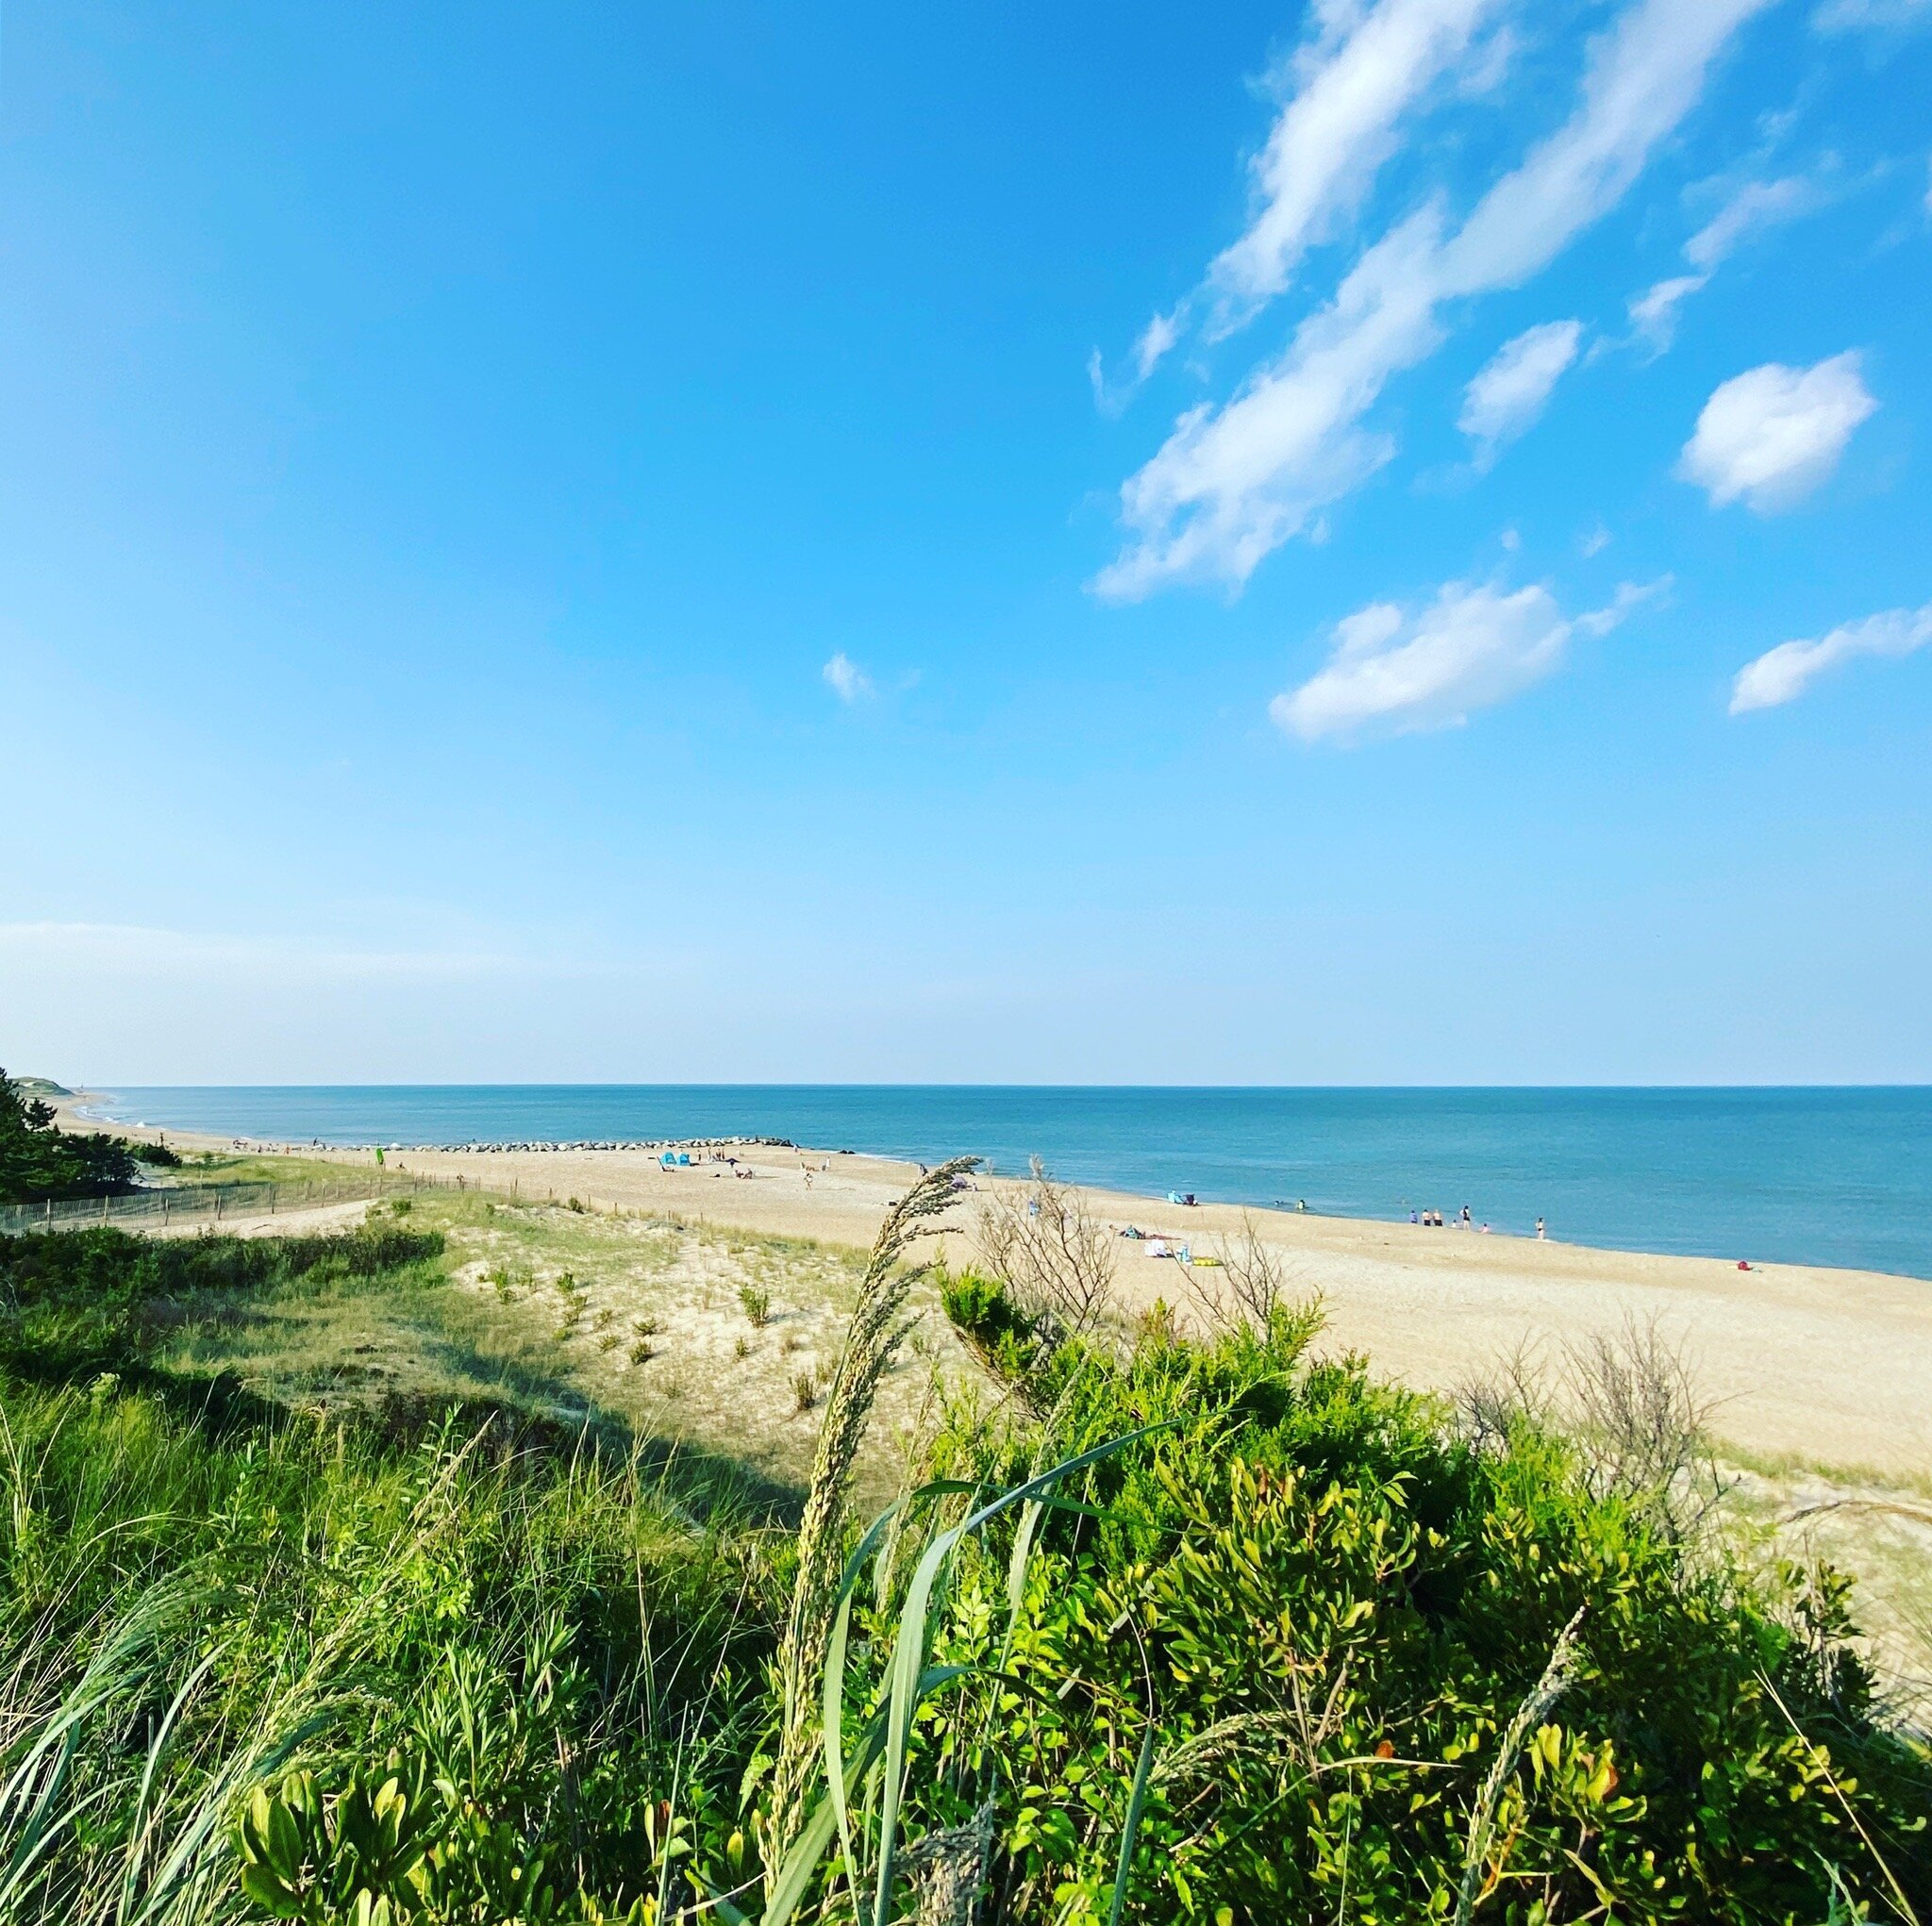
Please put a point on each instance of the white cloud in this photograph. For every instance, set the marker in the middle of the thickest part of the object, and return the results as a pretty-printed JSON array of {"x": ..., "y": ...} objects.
[
  {"x": 1654, "y": 313},
  {"x": 1514, "y": 386},
  {"x": 1232, "y": 484},
  {"x": 845, "y": 678},
  {"x": 1783, "y": 674},
  {"x": 1751, "y": 209},
  {"x": 1773, "y": 434},
  {"x": 1643, "y": 76},
  {"x": 1629, "y": 597},
  {"x": 1849, "y": 16},
  {"x": 1159, "y": 335},
  {"x": 1388, "y": 671},
  {"x": 1351, "y": 85},
  {"x": 1391, "y": 673},
  {"x": 1594, "y": 542},
  {"x": 1150, "y": 349},
  {"x": 1344, "y": 92},
  {"x": 1755, "y": 206}
]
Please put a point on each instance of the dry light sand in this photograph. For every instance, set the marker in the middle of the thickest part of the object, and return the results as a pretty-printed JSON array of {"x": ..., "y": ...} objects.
[{"x": 1830, "y": 1367}]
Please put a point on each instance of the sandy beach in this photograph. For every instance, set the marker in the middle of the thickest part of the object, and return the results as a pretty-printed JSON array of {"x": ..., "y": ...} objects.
[{"x": 1828, "y": 1368}]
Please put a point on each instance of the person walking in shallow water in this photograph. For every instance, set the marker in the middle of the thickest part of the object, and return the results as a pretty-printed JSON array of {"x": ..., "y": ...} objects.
[{"x": 1539, "y": 1230}]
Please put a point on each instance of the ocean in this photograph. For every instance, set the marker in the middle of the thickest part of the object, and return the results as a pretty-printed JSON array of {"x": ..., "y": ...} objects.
[{"x": 1803, "y": 1176}]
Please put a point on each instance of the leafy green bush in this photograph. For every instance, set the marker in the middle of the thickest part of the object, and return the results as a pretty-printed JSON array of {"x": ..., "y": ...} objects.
[
  {"x": 1004, "y": 1339},
  {"x": 1325, "y": 1610}
]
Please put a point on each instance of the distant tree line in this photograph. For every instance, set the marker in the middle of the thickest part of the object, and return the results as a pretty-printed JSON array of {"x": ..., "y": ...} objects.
[{"x": 39, "y": 1161}]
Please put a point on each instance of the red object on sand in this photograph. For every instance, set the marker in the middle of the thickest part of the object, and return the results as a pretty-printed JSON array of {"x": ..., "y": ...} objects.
[{"x": 1741, "y": 1265}]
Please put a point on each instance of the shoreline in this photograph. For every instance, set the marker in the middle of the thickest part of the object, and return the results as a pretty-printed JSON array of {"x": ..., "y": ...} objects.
[
  {"x": 78, "y": 1109},
  {"x": 1827, "y": 1367}
]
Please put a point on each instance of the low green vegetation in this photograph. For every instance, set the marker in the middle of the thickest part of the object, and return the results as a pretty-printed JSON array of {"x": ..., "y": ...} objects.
[
  {"x": 1156, "y": 1629},
  {"x": 39, "y": 1161}
]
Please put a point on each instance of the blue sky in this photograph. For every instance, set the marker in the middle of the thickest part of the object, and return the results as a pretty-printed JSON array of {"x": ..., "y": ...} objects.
[{"x": 1382, "y": 541}]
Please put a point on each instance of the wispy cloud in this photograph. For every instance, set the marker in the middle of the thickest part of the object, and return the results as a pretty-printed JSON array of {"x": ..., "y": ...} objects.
[
  {"x": 1654, "y": 312},
  {"x": 1751, "y": 209},
  {"x": 1233, "y": 483},
  {"x": 1350, "y": 87},
  {"x": 1514, "y": 386},
  {"x": 1772, "y": 435},
  {"x": 1111, "y": 394},
  {"x": 1363, "y": 68},
  {"x": 1159, "y": 335},
  {"x": 1629, "y": 598},
  {"x": 1392, "y": 672},
  {"x": 846, "y": 679},
  {"x": 1757, "y": 206},
  {"x": 1783, "y": 674},
  {"x": 1851, "y": 16},
  {"x": 221, "y": 954}
]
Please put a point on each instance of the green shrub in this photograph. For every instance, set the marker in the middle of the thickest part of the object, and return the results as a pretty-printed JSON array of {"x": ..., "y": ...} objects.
[
  {"x": 1325, "y": 1610},
  {"x": 998, "y": 1331}
]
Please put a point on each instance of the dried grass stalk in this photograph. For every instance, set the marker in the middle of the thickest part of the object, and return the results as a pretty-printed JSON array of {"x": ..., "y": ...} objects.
[
  {"x": 949, "y": 1870},
  {"x": 1249, "y": 1285},
  {"x": 1629, "y": 1399},
  {"x": 1555, "y": 1682},
  {"x": 1052, "y": 1256},
  {"x": 869, "y": 1343}
]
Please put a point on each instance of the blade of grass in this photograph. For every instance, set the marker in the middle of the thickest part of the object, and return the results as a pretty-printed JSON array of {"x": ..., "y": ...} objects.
[
  {"x": 909, "y": 1647},
  {"x": 1137, "y": 1802}
]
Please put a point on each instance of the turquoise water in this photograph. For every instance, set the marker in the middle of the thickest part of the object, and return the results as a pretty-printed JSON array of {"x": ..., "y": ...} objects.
[{"x": 1805, "y": 1176}]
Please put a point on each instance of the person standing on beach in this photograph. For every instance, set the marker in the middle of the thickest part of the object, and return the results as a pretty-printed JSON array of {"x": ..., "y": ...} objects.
[{"x": 1539, "y": 1229}]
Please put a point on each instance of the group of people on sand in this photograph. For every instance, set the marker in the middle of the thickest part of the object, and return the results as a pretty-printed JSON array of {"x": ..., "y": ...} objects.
[{"x": 1433, "y": 1219}]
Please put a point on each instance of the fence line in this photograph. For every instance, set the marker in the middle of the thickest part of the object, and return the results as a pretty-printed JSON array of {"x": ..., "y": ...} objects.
[{"x": 166, "y": 1205}]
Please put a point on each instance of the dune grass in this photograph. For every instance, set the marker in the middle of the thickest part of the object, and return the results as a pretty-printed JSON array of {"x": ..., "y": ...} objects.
[{"x": 648, "y": 1340}]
